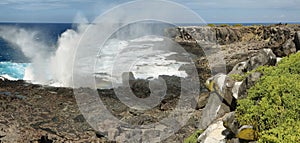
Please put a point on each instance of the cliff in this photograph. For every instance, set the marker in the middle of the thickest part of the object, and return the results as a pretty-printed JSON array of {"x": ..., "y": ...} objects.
[{"x": 236, "y": 43}]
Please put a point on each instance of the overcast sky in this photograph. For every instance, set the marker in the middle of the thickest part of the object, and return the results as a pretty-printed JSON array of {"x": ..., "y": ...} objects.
[{"x": 212, "y": 11}]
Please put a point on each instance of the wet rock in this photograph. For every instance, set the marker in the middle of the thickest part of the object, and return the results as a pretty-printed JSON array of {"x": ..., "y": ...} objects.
[
  {"x": 2, "y": 78},
  {"x": 213, "y": 134},
  {"x": 247, "y": 133}
]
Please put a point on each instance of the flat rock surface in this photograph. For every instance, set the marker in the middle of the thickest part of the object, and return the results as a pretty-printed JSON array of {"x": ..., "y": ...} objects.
[{"x": 33, "y": 113}]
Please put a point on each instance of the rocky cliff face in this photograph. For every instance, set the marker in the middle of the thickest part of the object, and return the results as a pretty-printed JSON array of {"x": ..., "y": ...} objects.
[
  {"x": 238, "y": 43},
  {"x": 244, "y": 49}
]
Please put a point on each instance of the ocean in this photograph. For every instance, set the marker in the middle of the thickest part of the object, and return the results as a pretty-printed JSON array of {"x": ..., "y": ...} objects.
[{"x": 43, "y": 53}]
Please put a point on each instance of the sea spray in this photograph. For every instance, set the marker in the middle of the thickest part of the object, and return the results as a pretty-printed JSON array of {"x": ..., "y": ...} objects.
[
  {"x": 49, "y": 65},
  {"x": 35, "y": 50}
]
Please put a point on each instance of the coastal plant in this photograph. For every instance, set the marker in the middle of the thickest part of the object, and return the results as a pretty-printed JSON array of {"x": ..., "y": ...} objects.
[
  {"x": 272, "y": 106},
  {"x": 224, "y": 25},
  {"x": 237, "y": 25},
  {"x": 241, "y": 77},
  {"x": 211, "y": 25},
  {"x": 193, "y": 138}
]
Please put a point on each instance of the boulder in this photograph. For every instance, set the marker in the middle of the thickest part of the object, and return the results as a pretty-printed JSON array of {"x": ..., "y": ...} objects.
[
  {"x": 297, "y": 40},
  {"x": 286, "y": 49},
  {"x": 264, "y": 57},
  {"x": 213, "y": 134},
  {"x": 239, "y": 89},
  {"x": 219, "y": 85},
  {"x": 202, "y": 100},
  {"x": 252, "y": 79},
  {"x": 230, "y": 122},
  {"x": 247, "y": 132},
  {"x": 239, "y": 68},
  {"x": 226, "y": 35},
  {"x": 213, "y": 110}
]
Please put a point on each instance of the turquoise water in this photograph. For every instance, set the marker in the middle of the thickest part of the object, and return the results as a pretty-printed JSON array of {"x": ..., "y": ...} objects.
[
  {"x": 14, "y": 70},
  {"x": 12, "y": 60}
]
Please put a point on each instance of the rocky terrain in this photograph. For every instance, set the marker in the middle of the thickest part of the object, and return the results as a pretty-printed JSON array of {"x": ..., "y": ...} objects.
[
  {"x": 244, "y": 49},
  {"x": 35, "y": 113}
]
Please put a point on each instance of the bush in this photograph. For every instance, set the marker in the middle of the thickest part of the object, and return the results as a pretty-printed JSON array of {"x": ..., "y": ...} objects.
[
  {"x": 237, "y": 25},
  {"x": 272, "y": 106},
  {"x": 211, "y": 25},
  {"x": 224, "y": 25},
  {"x": 193, "y": 138}
]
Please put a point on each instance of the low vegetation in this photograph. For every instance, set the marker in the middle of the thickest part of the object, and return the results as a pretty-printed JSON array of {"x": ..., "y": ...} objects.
[
  {"x": 193, "y": 138},
  {"x": 237, "y": 25},
  {"x": 224, "y": 25},
  {"x": 211, "y": 25},
  {"x": 272, "y": 106}
]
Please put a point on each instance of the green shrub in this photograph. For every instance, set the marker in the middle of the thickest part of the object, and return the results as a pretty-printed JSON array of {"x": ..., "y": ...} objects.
[
  {"x": 239, "y": 77},
  {"x": 224, "y": 25},
  {"x": 193, "y": 138},
  {"x": 272, "y": 106},
  {"x": 211, "y": 25},
  {"x": 237, "y": 25}
]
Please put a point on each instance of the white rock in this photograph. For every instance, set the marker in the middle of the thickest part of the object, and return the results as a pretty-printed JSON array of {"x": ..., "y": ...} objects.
[
  {"x": 213, "y": 134},
  {"x": 235, "y": 89},
  {"x": 278, "y": 60}
]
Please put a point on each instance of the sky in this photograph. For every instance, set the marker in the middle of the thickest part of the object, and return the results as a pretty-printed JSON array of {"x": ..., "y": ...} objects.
[{"x": 212, "y": 11}]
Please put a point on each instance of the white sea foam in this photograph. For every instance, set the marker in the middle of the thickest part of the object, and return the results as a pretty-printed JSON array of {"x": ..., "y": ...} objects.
[
  {"x": 47, "y": 66},
  {"x": 8, "y": 77},
  {"x": 147, "y": 39},
  {"x": 55, "y": 68}
]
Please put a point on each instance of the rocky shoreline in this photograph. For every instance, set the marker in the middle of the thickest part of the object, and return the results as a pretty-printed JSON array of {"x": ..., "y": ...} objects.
[
  {"x": 244, "y": 49},
  {"x": 35, "y": 113}
]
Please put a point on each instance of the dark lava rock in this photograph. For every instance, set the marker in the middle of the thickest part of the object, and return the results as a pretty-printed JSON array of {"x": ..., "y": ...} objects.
[
  {"x": 79, "y": 118},
  {"x": 44, "y": 139},
  {"x": 297, "y": 40},
  {"x": 286, "y": 49}
]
